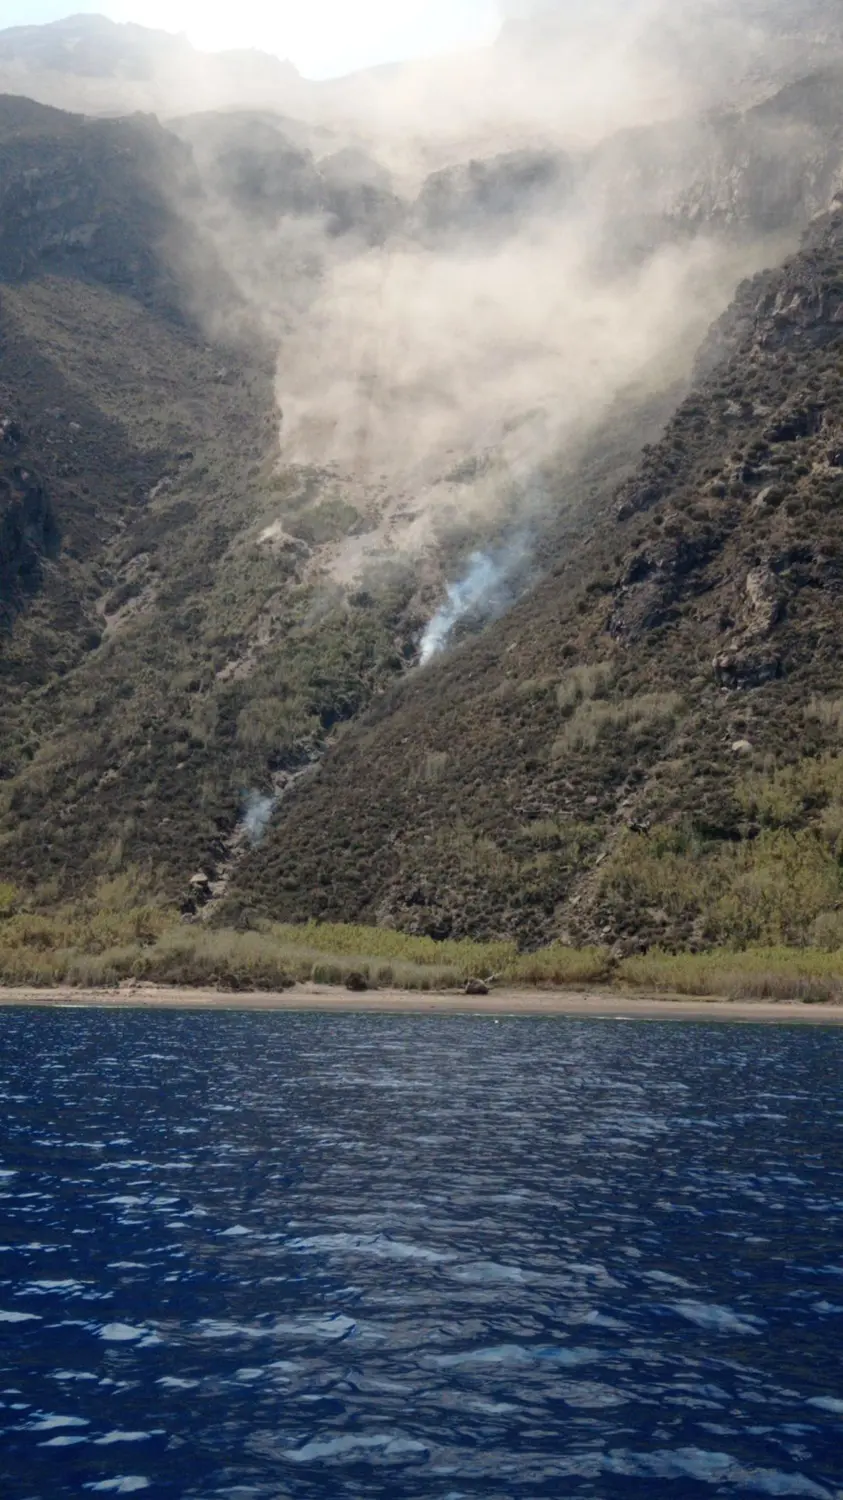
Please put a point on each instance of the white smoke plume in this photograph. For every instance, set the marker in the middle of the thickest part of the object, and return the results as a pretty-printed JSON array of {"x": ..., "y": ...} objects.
[
  {"x": 483, "y": 590},
  {"x": 257, "y": 812}
]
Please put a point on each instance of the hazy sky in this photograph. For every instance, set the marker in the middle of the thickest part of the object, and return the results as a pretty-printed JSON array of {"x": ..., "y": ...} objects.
[{"x": 320, "y": 36}]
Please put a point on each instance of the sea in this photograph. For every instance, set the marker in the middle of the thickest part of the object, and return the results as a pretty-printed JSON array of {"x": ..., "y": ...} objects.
[{"x": 334, "y": 1257}]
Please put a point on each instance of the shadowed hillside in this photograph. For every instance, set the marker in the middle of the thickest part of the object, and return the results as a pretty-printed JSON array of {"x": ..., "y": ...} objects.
[{"x": 160, "y": 656}]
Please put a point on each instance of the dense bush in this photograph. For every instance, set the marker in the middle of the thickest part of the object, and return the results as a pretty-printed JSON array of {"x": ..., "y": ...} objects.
[
  {"x": 759, "y": 974},
  {"x": 94, "y": 949}
]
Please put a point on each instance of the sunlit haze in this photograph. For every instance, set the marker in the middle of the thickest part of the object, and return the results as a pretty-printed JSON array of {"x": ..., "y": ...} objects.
[{"x": 322, "y": 37}]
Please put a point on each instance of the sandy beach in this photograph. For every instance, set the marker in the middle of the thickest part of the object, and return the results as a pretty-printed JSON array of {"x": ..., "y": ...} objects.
[{"x": 525, "y": 1002}]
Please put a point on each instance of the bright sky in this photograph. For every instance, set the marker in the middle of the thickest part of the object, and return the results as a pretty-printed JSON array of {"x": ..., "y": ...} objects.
[{"x": 322, "y": 37}]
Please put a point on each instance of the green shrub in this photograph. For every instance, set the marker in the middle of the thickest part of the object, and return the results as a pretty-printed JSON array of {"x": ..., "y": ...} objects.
[
  {"x": 767, "y": 890},
  {"x": 827, "y": 931},
  {"x": 788, "y": 796}
]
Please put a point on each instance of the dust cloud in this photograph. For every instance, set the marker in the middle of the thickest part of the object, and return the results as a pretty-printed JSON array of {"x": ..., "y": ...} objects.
[{"x": 466, "y": 263}]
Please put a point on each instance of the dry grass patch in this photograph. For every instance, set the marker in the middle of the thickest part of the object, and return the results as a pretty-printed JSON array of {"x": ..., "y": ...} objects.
[
  {"x": 583, "y": 683},
  {"x": 756, "y": 974},
  {"x": 829, "y": 712},
  {"x": 561, "y": 966},
  {"x": 101, "y": 948},
  {"x": 92, "y": 949},
  {"x": 386, "y": 946},
  {"x": 594, "y": 718}
]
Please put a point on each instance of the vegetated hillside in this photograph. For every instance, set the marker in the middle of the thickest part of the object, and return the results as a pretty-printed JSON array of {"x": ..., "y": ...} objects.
[
  {"x": 176, "y": 642},
  {"x": 648, "y": 748},
  {"x": 87, "y": 199},
  {"x": 170, "y": 642},
  {"x": 166, "y": 643},
  {"x": 89, "y": 245}
]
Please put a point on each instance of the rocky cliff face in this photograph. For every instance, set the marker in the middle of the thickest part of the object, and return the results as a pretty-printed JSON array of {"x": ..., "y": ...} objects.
[
  {"x": 269, "y": 172},
  {"x": 766, "y": 170},
  {"x": 761, "y": 171},
  {"x": 90, "y": 198},
  {"x": 485, "y": 196}
]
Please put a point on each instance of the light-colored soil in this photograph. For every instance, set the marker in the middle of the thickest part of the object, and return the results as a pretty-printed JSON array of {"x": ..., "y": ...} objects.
[{"x": 314, "y": 997}]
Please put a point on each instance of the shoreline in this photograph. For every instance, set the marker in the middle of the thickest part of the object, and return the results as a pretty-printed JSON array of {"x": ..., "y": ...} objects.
[{"x": 314, "y": 998}]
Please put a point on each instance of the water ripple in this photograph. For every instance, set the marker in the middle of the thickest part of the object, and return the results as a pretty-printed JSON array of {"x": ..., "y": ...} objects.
[{"x": 263, "y": 1257}]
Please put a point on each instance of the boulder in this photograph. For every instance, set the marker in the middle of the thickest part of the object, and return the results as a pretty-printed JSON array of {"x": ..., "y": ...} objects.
[
  {"x": 741, "y": 669},
  {"x": 476, "y": 987}
]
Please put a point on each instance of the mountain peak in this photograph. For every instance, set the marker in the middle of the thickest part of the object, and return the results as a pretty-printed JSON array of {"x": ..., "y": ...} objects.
[{"x": 91, "y": 63}]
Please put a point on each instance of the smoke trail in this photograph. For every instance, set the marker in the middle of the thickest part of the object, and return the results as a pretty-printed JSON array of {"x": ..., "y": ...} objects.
[
  {"x": 256, "y": 815},
  {"x": 485, "y": 586}
]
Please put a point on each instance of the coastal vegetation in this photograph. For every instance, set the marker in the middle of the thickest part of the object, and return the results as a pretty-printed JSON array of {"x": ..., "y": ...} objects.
[{"x": 113, "y": 938}]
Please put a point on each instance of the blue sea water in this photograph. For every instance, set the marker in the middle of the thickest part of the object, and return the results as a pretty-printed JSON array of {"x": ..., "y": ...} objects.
[{"x": 263, "y": 1256}]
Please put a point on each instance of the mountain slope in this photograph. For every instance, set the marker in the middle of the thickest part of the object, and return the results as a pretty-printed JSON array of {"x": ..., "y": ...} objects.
[
  {"x": 193, "y": 614},
  {"x": 90, "y": 63},
  {"x": 162, "y": 647},
  {"x": 648, "y": 744},
  {"x": 623, "y": 62}
]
